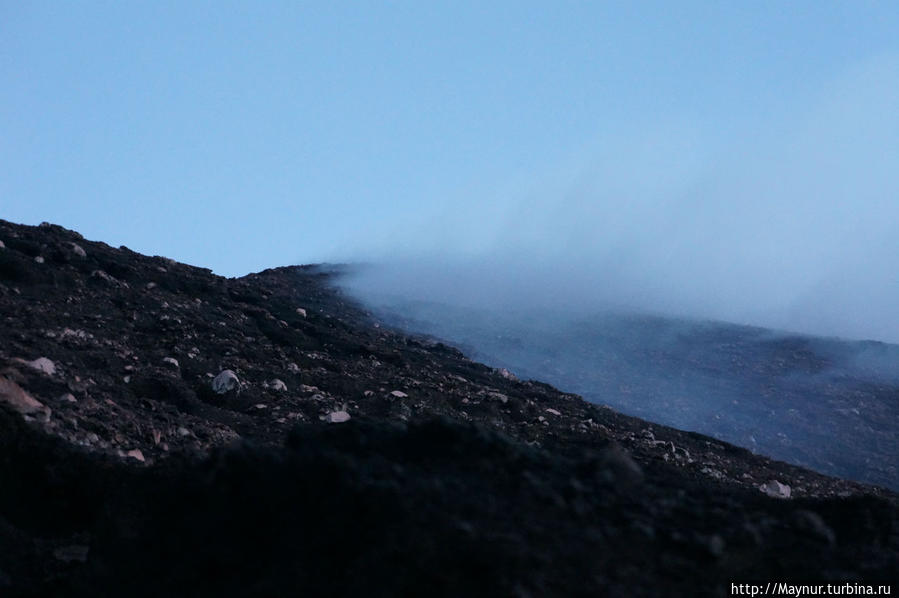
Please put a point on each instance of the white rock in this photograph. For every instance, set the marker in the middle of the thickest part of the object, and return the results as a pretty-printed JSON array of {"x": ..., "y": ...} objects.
[
  {"x": 277, "y": 384},
  {"x": 39, "y": 259},
  {"x": 2, "y": 246},
  {"x": 301, "y": 312},
  {"x": 68, "y": 398},
  {"x": 775, "y": 489},
  {"x": 78, "y": 250},
  {"x": 182, "y": 431},
  {"x": 293, "y": 368},
  {"x": 338, "y": 417},
  {"x": 43, "y": 365},
  {"x": 398, "y": 394},
  {"x": 553, "y": 411},
  {"x": 171, "y": 361},
  {"x": 225, "y": 381}
]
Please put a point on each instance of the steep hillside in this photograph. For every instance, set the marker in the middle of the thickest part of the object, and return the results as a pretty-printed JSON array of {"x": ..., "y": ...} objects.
[
  {"x": 824, "y": 403},
  {"x": 165, "y": 431}
]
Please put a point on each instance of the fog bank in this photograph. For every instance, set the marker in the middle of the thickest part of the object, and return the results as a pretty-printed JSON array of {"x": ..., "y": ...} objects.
[{"x": 787, "y": 220}]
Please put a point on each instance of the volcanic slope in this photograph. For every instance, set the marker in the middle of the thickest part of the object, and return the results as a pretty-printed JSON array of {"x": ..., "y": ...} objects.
[{"x": 340, "y": 457}]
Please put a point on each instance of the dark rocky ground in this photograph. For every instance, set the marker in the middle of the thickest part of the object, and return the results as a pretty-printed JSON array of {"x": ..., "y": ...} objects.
[
  {"x": 827, "y": 404},
  {"x": 352, "y": 459}
]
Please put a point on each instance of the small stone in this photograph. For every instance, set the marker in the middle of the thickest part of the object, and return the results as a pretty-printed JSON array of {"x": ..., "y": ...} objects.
[
  {"x": 150, "y": 286},
  {"x": 775, "y": 489},
  {"x": 68, "y": 398},
  {"x": 43, "y": 365},
  {"x": 226, "y": 381},
  {"x": 136, "y": 454},
  {"x": 182, "y": 431},
  {"x": 39, "y": 259},
  {"x": 553, "y": 411},
  {"x": 127, "y": 379},
  {"x": 2, "y": 246},
  {"x": 277, "y": 385},
  {"x": 171, "y": 361},
  {"x": 101, "y": 275},
  {"x": 338, "y": 417},
  {"x": 398, "y": 394},
  {"x": 73, "y": 552},
  {"x": 293, "y": 368},
  {"x": 301, "y": 312},
  {"x": 260, "y": 406},
  {"x": 78, "y": 250}
]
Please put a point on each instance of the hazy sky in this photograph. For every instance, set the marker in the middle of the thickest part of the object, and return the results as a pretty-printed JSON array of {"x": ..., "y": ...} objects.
[{"x": 728, "y": 159}]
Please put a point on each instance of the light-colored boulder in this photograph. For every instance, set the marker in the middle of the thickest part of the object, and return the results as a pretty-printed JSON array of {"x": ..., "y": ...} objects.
[
  {"x": 338, "y": 417},
  {"x": 78, "y": 250},
  {"x": 43, "y": 365},
  {"x": 39, "y": 259},
  {"x": 775, "y": 489},
  {"x": 171, "y": 361},
  {"x": 398, "y": 394},
  {"x": 226, "y": 381},
  {"x": 301, "y": 312}
]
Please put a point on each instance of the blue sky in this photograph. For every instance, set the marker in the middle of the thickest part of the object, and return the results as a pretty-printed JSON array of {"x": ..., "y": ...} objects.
[{"x": 239, "y": 136}]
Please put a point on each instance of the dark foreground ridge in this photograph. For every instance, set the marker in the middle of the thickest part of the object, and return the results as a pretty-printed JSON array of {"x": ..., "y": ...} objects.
[{"x": 168, "y": 432}]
